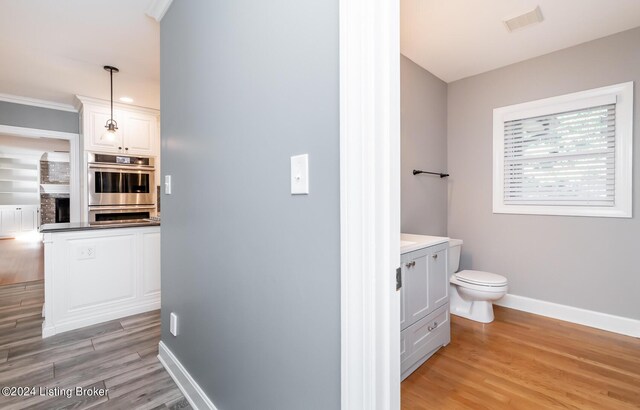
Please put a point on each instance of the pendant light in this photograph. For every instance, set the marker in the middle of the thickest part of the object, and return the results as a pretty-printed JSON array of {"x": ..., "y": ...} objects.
[{"x": 111, "y": 125}]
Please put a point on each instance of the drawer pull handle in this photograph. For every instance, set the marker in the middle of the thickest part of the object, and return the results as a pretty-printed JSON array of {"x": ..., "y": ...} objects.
[
  {"x": 434, "y": 256},
  {"x": 431, "y": 328},
  {"x": 410, "y": 264}
]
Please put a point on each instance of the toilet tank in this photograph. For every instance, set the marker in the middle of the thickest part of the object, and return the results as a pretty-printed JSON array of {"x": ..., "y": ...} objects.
[{"x": 455, "y": 246}]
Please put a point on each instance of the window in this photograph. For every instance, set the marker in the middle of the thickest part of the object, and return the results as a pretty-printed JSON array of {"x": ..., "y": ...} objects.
[{"x": 566, "y": 155}]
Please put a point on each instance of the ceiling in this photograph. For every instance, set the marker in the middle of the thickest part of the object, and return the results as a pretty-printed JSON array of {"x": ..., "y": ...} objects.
[
  {"x": 454, "y": 39},
  {"x": 53, "y": 50}
]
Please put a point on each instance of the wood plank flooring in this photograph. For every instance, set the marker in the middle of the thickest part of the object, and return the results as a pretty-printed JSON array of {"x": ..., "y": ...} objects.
[
  {"x": 21, "y": 261},
  {"x": 119, "y": 355},
  {"x": 525, "y": 361},
  {"x": 520, "y": 361}
]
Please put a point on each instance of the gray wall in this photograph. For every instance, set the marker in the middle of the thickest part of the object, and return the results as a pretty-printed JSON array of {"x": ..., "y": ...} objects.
[
  {"x": 26, "y": 116},
  {"x": 423, "y": 109},
  {"x": 252, "y": 272},
  {"x": 591, "y": 263}
]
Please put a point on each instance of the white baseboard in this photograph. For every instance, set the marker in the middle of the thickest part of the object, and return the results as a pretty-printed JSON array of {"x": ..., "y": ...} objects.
[
  {"x": 194, "y": 394},
  {"x": 604, "y": 321}
]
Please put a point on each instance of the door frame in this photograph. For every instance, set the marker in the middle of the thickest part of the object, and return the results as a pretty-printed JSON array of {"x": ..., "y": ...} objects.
[
  {"x": 370, "y": 203},
  {"x": 74, "y": 160}
]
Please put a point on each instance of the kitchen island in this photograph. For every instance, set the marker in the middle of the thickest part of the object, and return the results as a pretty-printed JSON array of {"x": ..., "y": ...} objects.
[{"x": 97, "y": 273}]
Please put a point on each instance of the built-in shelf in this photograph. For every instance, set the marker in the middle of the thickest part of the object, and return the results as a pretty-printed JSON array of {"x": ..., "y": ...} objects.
[
  {"x": 55, "y": 157},
  {"x": 54, "y": 188},
  {"x": 19, "y": 179}
]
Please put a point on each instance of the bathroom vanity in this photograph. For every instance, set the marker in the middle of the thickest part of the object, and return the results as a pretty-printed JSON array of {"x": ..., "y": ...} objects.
[{"x": 424, "y": 299}]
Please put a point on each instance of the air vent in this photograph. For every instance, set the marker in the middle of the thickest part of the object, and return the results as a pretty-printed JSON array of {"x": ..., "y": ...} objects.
[{"x": 532, "y": 17}]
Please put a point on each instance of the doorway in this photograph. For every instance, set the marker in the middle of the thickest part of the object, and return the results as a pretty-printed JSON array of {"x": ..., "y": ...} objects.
[{"x": 36, "y": 167}]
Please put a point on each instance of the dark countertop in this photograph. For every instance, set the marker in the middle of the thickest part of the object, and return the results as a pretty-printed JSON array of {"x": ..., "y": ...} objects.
[{"x": 85, "y": 226}]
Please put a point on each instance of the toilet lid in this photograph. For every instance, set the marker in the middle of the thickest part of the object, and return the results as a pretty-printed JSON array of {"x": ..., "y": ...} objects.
[{"x": 477, "y": 277}]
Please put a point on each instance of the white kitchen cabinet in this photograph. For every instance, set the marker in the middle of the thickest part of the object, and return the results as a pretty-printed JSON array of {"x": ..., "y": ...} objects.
[
  {"x": 18, "y": 219},
  {"x": 137, "y": 132},
  {"x": 9, "y": 222},
  {"x": 424, "y": 305},
  {"x": 140, "y": 133},
  {"x": 95, "y": 120},
  {"x": 28, "y": 219},
  {"x": 99, "y": 274}
]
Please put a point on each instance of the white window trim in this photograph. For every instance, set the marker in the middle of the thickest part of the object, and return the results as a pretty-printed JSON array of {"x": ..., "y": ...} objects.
[{"x": 623, "y": 151}]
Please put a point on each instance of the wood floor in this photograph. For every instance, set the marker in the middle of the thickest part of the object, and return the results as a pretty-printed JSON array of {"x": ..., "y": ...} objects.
[
  {"x": 119, "y": 355},
  {"x": 524, "y": 361},
  {"x": 21, "y": 261},
  {"x": 520, "y": 361}
]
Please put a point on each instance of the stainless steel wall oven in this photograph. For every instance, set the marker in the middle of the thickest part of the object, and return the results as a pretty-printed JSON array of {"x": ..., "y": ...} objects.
[{"x": 121, "y": 188}]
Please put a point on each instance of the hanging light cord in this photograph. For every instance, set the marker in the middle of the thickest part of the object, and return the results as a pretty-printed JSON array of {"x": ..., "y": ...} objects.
[
  {"x": 111, "y": 77},
  {"x": 112, "y": 125}
]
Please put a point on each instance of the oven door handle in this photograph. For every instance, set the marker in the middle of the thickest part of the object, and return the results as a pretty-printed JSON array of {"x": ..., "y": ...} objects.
[
  {"x": 119, "y": 207},
  {"x": 122, "y": 169}
]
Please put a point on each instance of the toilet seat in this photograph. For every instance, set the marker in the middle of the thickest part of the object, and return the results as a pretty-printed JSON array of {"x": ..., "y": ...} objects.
[{"x": 480, "y": 278}]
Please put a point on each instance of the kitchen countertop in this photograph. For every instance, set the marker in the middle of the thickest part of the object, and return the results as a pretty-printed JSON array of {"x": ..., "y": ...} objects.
[
  {"x": 85, "y": 226},
  {"x": 410, "y": 242}
]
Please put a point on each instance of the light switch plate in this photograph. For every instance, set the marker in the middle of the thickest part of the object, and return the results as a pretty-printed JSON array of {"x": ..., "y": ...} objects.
[
  {"x": 300, "y": 174},
  {"x": 167, "y": 184}
]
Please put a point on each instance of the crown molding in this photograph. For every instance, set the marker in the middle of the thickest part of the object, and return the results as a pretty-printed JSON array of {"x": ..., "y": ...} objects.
[
  {"x": 158, "y": 8},
  {"x": 84, "y": 100},
  {"x": 16, "y": 99}
]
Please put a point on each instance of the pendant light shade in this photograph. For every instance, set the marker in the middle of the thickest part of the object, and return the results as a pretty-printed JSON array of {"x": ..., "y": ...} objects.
[{"x": 111, "y": 126}]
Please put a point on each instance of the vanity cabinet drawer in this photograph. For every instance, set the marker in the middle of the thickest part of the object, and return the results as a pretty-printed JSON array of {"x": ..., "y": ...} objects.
[{"x": 421, "y": 340}]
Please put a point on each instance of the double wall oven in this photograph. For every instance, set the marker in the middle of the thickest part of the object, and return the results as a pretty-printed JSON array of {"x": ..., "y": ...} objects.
[{"x": 122, "y": 188}]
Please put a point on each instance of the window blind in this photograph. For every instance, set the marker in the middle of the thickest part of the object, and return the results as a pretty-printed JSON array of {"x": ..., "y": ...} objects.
[{"x": 563, "y": 158}]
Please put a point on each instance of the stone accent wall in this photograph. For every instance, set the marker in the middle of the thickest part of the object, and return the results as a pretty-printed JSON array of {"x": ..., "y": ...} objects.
[
  {"x": 48, "y": 207},
  {"x": 52, "y": 173}
]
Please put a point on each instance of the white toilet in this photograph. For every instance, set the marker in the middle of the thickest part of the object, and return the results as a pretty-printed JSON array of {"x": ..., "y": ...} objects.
[{"x": 473, "y": 292}]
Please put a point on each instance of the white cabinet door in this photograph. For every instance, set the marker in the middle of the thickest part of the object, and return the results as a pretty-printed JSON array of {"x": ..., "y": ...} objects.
[
  {"x": 137, "y": 132},
  {"x": 9, "y": 221},
  {"x": 96, "y": 118},
  {"x": 29, "y": 219},
  {"x": 140, "y": 133}
]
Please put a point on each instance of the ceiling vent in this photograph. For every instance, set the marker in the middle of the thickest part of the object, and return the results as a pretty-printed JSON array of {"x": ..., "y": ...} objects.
[{"x": 532, "y": 17}]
